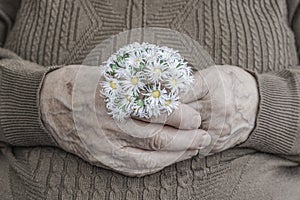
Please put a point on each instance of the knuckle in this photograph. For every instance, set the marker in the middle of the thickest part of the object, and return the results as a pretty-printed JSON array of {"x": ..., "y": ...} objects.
[
  {"x": 218, "y": 147},
  {"x": 196, "y": 121},
  {"x": 158, "y": 142},
  {"x": 205, "y": 125}
]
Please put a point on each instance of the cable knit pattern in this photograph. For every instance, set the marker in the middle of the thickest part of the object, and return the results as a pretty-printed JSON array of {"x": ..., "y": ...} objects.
[
  {"x": 56, "y": 170},
  {"x": 71, "y": 29},
  {"x": 225, "y": 33},
  {"x": 248, "y": 33},
  {"x": 240, "y": 35}
]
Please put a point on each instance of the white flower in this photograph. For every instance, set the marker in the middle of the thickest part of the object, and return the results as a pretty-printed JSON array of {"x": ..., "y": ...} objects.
[
  {"x": 176, "y": 81},
  {"x": 153, "y": 111},
  {"x": 144, "y": 80},
  {"x": 118, "y": 113},
  {"x": 133, "y": 82},
  {"x": 127, "y": 100},
  {"x": 155, "y": 96},
  {"x": 171, "y": 102},
  {"x": 167, "y": 53},
  {"x": 150, "y": 55},
  {"x": 156, "y": 71},
  {"x": 139, "y": 109},
  {"x": 111, "y": 86},
  {"x": 135, "y": 60}
]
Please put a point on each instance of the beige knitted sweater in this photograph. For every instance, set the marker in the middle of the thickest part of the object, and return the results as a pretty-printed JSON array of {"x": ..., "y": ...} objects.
[{"x": 257, "y": 35}]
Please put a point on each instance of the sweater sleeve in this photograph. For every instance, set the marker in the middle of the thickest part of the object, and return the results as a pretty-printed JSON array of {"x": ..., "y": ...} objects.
[
  {"x": 294, "y": 20},
  {"x": 8, "y": 12},
  {"x": 277, "y": 127},
  {"x": 20, "y": 85},
  {"x": 20, "y": 118}
]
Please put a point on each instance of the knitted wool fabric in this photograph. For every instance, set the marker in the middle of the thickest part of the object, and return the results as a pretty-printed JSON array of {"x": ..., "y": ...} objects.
[{"x": 252, "y": 34}]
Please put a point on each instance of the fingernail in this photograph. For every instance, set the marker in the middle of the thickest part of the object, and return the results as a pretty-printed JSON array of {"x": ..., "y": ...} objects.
[{"x": 206, "y": 140}]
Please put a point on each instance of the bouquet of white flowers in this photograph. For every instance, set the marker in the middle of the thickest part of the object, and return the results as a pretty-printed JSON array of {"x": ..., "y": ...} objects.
[{"x": 144, "y": 80}]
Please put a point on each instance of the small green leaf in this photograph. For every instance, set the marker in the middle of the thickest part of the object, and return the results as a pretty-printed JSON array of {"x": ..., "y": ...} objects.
[
  {"x": 111, "y": 73},
  {"x": 140, "y": 103},
  {"x": 114, "y": 66},
  {"x": 142, "y": 65},
  {"x": 119, "y": 58}
]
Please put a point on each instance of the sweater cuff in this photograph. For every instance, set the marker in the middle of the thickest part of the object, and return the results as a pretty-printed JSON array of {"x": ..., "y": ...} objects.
[
  {"x": 20, "y": 118},
  {"x": 277, "y": 120},
  {"x": 2, "y": 138}
]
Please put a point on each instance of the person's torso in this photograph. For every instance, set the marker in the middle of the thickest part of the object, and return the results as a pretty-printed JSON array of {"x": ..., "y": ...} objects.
[{"x": 252, "y": 34}]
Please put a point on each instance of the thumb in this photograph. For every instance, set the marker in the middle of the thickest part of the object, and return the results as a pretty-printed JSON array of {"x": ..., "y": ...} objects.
[{"x": 198, "y": 89}]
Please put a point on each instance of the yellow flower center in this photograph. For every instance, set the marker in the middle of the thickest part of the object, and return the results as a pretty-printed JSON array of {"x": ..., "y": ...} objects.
[
  {"x": 174, "y": 82},
  {"x": 128, "y": 97},
  {"x": 168, "y": 102},
  {"x": 155, "y": 94},
  {"x": 134, "y": 80},
  {"x": 113, "y": 85},
  {"x": 157, "y": 70},
  {"x": 137, "y": 61}
]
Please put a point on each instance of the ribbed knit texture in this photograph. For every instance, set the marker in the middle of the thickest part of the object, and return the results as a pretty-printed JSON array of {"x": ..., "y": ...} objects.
[
  {"x": 295, "y": 22},
  {"x": 248, "y": 33},
  {"x": 278, "y": 113},
  {"x": 20, "y": 119},
  {"x": 252, "y": 34}
]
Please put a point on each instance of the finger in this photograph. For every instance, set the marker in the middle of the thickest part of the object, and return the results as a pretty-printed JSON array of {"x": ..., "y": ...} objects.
[
  {"x": 203, "y": 107},
  {"x": 141, "y": 163},
  {"x": 184, "y": 117},
  {"x": 220, "y": 146},
  {"x": 158, "y": 137},
  {"x": 172, "y": 139},
  {"x": 198, "y": 90},
  {"x": 169, "y": 140},
  {"x": 187, "y": 155}
]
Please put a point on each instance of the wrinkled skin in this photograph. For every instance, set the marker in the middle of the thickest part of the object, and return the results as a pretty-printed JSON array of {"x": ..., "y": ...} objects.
[
  {"x": 227, "y": 99},
  {"x": 75, "y": 114}
]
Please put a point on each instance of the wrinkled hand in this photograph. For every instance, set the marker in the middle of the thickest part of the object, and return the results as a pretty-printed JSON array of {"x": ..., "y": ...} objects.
[
  {"x": 75, "y": 114},
  {"x": 227, "y": 99}
]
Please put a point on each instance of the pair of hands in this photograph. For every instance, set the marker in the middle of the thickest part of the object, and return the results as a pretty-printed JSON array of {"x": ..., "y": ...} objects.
[{"x": 217, "y": 113}]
